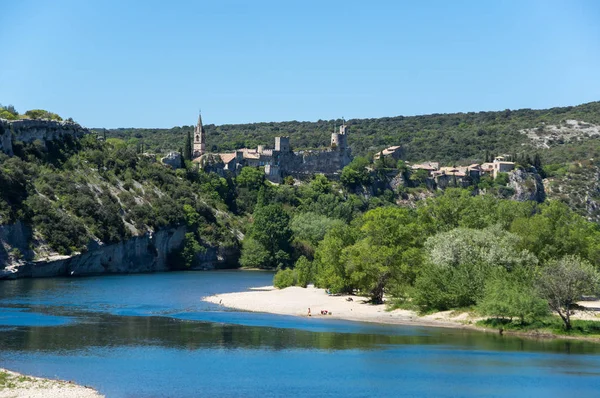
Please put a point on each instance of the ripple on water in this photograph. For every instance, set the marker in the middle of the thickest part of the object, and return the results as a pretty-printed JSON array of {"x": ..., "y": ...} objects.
[{"x": 25, "y": 317}]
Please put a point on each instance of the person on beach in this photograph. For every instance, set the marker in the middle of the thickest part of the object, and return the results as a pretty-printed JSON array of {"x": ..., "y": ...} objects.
[{"x": 309, "y": 312}]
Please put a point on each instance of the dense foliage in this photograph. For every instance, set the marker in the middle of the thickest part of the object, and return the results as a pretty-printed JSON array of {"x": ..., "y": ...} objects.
[
  {"x": 74, "y": 192},
  {"x": 442, "y": 137},
  {"x": 460, "y": 250},
  {"x": 9, "y": 112}
]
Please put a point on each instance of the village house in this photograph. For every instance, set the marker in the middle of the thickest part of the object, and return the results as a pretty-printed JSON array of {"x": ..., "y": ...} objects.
[
  {"x": 429, "y": 167},
  {"x": 502, "y": 165},
  {"x": 395, "y": 152}
]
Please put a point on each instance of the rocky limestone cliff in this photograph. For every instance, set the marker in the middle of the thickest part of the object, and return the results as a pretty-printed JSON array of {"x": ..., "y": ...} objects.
[
  {"x": 526, "y": 186},
  {"x": 29, "y": 130},
  {"x": 579, "y": 187},
  {"x": 146, "y": 253},
  {"x": 14, "y": 243}
]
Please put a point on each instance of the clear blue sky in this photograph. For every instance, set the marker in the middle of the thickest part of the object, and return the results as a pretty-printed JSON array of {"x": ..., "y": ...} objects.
[{"x": 141, "y": 63}]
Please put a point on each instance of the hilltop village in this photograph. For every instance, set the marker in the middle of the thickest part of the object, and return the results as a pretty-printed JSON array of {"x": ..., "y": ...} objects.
[
  {"x": 277, "y": 162},
  {"x": 282, "y": 161}
]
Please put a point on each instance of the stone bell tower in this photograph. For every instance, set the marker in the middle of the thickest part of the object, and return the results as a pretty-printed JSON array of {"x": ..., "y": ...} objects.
[{"x": 199, "y": 138}]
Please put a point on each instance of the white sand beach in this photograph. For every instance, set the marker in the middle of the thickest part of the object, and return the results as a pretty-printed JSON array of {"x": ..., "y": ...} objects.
[
  {"x": 296, "y": 301},
  {"x": 16, "y": 385}
]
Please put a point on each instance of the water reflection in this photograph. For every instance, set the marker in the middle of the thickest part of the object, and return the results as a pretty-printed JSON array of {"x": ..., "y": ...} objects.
[
  {"x": 106, "y": 330},
  {"x": 151, "y": 335}
]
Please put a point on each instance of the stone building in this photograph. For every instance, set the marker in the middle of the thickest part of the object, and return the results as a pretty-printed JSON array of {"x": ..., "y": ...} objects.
[
  {"x": 279, "y": 161},
  {"x": 501, "y": 165},
  {"x": 395, "y": 152}
]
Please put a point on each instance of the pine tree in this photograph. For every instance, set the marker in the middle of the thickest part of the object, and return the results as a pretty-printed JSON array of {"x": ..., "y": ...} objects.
[
  {"x": 537, "y": 161},
  {"x": 181, "y": 158},
  {"x": 187, "y": 154}
]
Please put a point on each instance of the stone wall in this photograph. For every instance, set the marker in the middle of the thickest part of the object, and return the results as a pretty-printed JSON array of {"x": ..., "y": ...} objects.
[
  {"x": 29, "y": 130},
  {"x": 317, "y": 161}
]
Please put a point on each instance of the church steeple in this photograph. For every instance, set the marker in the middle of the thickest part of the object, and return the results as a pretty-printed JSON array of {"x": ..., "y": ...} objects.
[{"x": 199, "y": 138}]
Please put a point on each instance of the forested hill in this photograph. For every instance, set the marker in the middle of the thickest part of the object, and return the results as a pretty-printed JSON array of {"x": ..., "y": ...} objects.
[{"x": 443, "y": 137}]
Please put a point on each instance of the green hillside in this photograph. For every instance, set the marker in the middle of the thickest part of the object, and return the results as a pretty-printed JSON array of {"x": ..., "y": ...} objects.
[{"x": 442, "y": 137}]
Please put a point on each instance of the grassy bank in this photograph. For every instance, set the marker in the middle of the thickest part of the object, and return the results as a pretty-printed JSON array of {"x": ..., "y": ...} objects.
[{"x": 546, "y": 326}]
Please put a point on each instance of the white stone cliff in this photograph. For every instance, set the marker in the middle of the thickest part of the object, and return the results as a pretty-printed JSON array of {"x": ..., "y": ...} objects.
[{"x": 29, "y": 130}]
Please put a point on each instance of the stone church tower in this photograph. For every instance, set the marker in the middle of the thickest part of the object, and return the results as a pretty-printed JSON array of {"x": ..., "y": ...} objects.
[{"x": 199, "y": 139}]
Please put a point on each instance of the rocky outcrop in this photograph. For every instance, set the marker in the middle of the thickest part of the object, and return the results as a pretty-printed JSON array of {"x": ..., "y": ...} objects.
[
  {"x": 579, "y": 187},
  {"x": 5, "y": 138},
  {"x": 217, "y": 258},
  {"x": 146, "y": 253},
  {"x": 14, "y": 243},
  {"x": 29, "y": 130},
  {"x": 527, "y": 185},
  {"x": 173, "y": 159}
]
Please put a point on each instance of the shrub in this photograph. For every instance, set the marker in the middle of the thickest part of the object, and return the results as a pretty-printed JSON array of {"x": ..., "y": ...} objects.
[
  {"x": 285, "y": 278},
  {"x": 303, "y": 270}
]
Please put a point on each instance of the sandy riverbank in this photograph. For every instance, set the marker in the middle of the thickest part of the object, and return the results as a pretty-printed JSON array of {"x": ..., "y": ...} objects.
[
  {"x": 16, "y": 385},
  {"x": 296, "y": 301}
]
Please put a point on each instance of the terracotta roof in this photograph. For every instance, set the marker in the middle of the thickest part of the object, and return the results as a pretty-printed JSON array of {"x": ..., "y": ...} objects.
[{"x": 227, "y": 157}]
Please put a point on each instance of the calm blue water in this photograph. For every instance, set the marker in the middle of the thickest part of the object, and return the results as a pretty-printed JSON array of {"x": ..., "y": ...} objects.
[{"x": 152, "y": 336}]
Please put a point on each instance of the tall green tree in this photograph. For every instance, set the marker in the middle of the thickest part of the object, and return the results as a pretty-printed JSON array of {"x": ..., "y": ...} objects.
[
  {"x": 187, "y": 153},
  {"x": 271, "y": 230}
]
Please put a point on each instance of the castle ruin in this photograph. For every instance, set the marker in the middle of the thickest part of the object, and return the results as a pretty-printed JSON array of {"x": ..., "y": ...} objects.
[{"x": 278, "y": 162}]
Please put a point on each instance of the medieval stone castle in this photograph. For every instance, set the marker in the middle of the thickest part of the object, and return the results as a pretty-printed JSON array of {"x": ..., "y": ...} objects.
[{"x": 277, "y": 162}]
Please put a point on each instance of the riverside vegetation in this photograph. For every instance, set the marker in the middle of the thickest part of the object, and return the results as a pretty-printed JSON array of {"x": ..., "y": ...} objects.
[{"x": 455, "y": 249}]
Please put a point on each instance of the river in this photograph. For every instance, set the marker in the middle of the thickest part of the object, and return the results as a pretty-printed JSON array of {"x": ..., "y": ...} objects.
[{"x": 150, "y": 335}]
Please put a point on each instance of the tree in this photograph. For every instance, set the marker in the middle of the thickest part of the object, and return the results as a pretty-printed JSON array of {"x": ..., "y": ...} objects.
[
  {"x": 356, "y": 173},
  {"x": 557, "y": 231},
  {"x": 285, "y": 278},
  {"x": 254, "y": 254},
  {"x": 191, "y": 248},
  {"x": 181, "y": 159},
  {"x": 329, "y": 265},
  {"x": 303, "y": 269},
  {"x": 512, "y": 295},
  {"x": 393, "y": 237},
  {"x": 271, "y": 229},
  {"x": 187, "y": 153},
  {"x": 419, "y": 176},
  {"x": 460, "y": 261},
  {"x": 370, "y": 270},
  {"x": 563, "y": 282},
  {"x": 42, "y": 114},
  {"x": 250, "y": 178},
  {"x": 320, "y": 184},
  {"x": 537, "y": 163},
  {"x": 312, "y": 227}
]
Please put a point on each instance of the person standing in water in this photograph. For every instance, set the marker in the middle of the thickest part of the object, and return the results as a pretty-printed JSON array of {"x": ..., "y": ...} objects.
[{"x": 308, "y": 311}]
